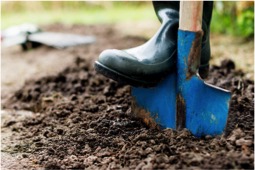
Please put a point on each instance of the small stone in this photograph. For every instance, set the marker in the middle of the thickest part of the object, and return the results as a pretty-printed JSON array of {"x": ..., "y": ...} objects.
[
  {"x": 236, "y": 134},
  {"x": 208, "y": 137},
  {"x": 152, "y": 141},
  {"x": 73, "y": 157},
  {"x": 90, "y": 160},
  {"x": 47, "y": 99},
  {"x": 87, "y": 148},
  {"x": 242, "y": 141},
  {"x": 184, "y": 134},
  {"x": 148, "y": 150},
  {"x": 103, "y": 154}
]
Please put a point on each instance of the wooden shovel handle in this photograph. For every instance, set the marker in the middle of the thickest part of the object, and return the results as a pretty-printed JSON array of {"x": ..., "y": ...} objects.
[{"x": 191, "y": 15}]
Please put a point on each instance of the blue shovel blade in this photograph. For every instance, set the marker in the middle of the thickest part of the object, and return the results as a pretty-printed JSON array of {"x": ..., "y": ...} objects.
[
  {"x": 156, "y": 104},
  {"x": 203, "y": 106},
  {"x": 206, "y": 111},
  {"x": 206, "y": 107}
]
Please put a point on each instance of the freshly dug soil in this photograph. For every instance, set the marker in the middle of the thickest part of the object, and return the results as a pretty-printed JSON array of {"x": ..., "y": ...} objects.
[{"x": 83, "y": 120}]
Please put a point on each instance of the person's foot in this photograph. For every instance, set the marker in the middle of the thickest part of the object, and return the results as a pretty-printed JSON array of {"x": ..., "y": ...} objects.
[{"x": 148, "y": 64}]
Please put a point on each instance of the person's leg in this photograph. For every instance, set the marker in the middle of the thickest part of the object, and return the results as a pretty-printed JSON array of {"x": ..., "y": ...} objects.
[{"x": 147, "y": 64}]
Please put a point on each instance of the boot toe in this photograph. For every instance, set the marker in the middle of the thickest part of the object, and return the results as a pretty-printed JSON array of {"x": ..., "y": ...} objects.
[
  {"x": 125, "y": 63},
  {"x": 119, "y": 61},
  {"x": 110, "y": 56}
]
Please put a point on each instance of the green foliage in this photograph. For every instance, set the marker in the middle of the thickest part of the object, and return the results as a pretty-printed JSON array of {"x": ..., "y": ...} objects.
[
  {"x": 228, "y": 21},
  {"x": 245, "y": 23}
]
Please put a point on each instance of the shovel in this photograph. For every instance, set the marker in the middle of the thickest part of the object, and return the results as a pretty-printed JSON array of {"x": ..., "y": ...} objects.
[
  {"x": 29, "y": 36},
  {"x": 183, "y": 99},
  {"x": 60, "y": 40}
]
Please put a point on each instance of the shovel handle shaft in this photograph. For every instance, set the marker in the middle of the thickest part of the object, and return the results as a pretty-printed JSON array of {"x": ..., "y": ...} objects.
[{"x": 191, "y": 15}]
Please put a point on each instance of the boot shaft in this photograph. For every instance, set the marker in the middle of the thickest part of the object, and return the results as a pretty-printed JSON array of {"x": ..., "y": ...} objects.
[{"x": 175, "y": 5}]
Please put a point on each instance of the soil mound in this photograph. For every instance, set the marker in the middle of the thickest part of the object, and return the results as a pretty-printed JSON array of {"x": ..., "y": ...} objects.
[{"x": 83, "y": 120}]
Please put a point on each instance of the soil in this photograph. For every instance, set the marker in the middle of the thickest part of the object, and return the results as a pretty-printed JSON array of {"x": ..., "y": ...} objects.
[{"x": 80, "y": 119}]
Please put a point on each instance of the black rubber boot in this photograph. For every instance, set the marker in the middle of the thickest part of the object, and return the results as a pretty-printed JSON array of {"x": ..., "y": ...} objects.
[
  {"x": 207, "y": 16},
  {"x": 148, "y": 64}
]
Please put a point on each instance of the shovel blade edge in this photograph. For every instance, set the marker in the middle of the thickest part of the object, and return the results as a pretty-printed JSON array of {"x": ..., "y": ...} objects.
[
  {"x": 207, "y": 107},
  {"x": 157, "y": 105}
]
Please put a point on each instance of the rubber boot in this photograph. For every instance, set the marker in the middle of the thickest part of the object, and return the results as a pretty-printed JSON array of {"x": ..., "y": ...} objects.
[
  {"x": 148, "y": 64},
  {"x": 207, "y": 16}
]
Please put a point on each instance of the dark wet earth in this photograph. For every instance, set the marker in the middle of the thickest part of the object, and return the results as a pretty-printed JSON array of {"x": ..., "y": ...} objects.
[{"x": 84, "y": 120}]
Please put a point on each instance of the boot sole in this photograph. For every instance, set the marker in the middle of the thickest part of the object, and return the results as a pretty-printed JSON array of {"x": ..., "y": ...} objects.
[
  {"x": 119, "y": 77},
  {"x": 137, "y": 82}
]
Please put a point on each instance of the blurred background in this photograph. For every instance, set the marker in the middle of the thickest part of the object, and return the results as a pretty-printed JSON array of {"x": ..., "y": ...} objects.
[
  {"x": 231, "y": 18},
  {"x": 232, "y": 31}
]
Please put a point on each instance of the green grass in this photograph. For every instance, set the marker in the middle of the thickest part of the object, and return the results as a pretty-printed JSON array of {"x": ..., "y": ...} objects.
[
  {"x": 84, "y": 15},
  {"x": 95, "y": 12},
  {"x": 241, "y": 25}
]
